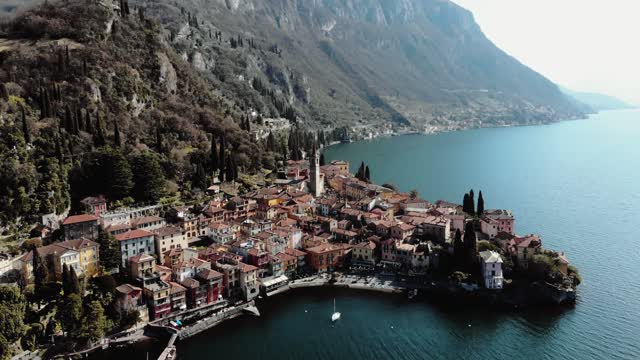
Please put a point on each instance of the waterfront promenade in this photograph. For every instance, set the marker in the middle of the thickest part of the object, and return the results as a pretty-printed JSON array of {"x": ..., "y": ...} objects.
[{"x": 358, "y": 282}]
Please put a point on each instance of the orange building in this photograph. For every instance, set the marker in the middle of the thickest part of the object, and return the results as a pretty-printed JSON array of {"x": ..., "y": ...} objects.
[{"x": 327, "y": 256}]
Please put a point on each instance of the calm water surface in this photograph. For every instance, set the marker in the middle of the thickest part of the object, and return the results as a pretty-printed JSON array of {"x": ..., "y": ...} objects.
[{"x": 575, "y": 183}]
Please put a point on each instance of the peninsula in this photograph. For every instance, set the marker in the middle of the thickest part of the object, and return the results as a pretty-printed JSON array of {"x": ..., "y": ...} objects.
[{"x": 185, "y": 268}]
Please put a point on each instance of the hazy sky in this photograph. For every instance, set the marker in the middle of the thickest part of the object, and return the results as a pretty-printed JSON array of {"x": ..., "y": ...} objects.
[{"x": 586, "y": 45}]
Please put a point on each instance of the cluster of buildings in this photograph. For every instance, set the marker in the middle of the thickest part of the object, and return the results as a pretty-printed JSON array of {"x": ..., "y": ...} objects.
[{"x": 312, "y": 219}]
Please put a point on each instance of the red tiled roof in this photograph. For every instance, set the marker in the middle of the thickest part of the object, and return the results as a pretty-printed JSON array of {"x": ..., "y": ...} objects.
[
  {"x": 246, "y": 267},
  {"x": 176, "y": 288},
  {"x": 75, "y": 219},
  {"x": 209, "y": 274},
  {"x": 295, "y": 252},
  {"x": 285, "y": 257},
  {"x": 133, "y": 234}
]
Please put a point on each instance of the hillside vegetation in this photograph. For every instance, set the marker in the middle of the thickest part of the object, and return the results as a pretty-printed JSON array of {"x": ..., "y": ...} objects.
[{"x": 92, "y": 99}]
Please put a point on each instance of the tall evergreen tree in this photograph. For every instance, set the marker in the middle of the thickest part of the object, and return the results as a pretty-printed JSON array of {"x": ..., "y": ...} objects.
[
  {"x": 367, "y": 174},
  {"x": 66, "y": 289},
  {"x": 361, "y": 171},
  {"x": 465, "y": 203},
  {"x": 200, "y": 178},
  {"x": 148, "y": 178},
  {"x": 472, "y": 203},
  {"x": 40, "y": 272},
  {"x": 119, "y": 175},
  {"x": 25, "y": 126},
  {"x": 79, "y": 119},
  {"x": 116, "y": 134},
  {"x": 230, "y": 174},
  {"x": 74, "y": 283},
  {"x": 68, "y": 119},
  {"x": 98, "y": 138},
  {"x": 480, "y": 211},
  {"x": 88, "y": 126},
  {"x": 109, "y": 251},
  {"x": 459, "y": 251},
  {"x": 94, "y": 323},
  {"x": 470, "y": 244},
  {"x": 221, "y": 158},
  {"x": 213, "y": 154},
  {"x": 271, "y": 142},
  {"x": 159, "y": 146},
  {"x": 70, "y": 313},
  {"x": 322, "y": 160}
]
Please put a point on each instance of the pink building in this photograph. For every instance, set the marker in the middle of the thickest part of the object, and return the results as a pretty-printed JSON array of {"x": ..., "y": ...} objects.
[{"x": 504, "y": 219}]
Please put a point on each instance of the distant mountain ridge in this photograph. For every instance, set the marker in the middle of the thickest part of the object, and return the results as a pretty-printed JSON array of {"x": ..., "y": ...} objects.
[
  {"x": 596, "y": 101},
  {"x": 360, "y": 62}
]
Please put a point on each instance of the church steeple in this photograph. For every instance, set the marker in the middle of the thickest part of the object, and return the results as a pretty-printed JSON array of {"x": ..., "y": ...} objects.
[{"x": 316, "y": 183}]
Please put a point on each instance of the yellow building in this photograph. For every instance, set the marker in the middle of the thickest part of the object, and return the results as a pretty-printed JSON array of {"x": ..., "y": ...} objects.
[
  {"x": 169, "y": 238},
  {"x": 82, "y": 255}
]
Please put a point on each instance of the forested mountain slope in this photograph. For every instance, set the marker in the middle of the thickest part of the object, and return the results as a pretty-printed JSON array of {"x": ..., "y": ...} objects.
[{"x": 359, "y": 62}]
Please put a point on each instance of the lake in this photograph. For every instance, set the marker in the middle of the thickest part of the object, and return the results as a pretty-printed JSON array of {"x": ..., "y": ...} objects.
[{"x": 576, "y": 183}]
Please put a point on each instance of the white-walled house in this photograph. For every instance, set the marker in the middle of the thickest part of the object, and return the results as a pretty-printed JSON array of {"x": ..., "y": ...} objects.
[
  {"x": 491, "y": 268},
  {"x": 136, "y": 242}
]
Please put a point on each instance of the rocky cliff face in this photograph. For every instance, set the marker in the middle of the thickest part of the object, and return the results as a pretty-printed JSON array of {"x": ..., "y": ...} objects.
[{"x": 361, "y": 62}]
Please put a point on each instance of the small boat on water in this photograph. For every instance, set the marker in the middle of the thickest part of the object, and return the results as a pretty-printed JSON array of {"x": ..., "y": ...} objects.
[
  {"x": 412, "y": 294},
  {"x": 336, "y": 315}
]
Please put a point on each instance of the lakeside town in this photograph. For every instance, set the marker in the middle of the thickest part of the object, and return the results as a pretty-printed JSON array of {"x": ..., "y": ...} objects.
[{"x": 182, "y": 269}]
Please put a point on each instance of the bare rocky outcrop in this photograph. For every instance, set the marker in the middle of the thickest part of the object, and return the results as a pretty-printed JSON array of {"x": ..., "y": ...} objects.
[{"x": 168, "y": 75}]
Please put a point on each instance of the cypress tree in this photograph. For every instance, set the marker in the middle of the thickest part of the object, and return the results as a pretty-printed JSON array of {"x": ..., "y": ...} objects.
[
  {"x": 88, "y": 127},
  {"x": 472, "y": 203},
  {"x": 99, "y": 139},
  {"x": 65, "y": 280},
  {"x": 67, "y": 59},
  {"x": 79, "y": 120},
  {"x": 61, "y": 68},
  {"x": 68, "y": 120},
  {"x": 40, "y": 272},
  {"x": 221, "y": 158},
  {"x": 248, "y": 125},
  {"x": 48, "y": 107},
  {"x": 459, "y": 252},
  {"x": 271, "y": 142},
  {"x": 76, "y": 124},
  {"x": 213, "y": 154},
  {"x": 361, "y": 171},
  {"x": 200, "y": 179},
  {"x": 158, "y": 139},
  {"x": 116, "y": 134},
  {"x": 25, "y": 126},
  {"x": 465, "y": 203},
  {"x": 4, "y": 93},
  {"x": 470, "y": 241},
  {"x": 322, "y": 161},
  {"x": 230, "y": 169},
  {"x": 59, "y": 154},
  {"x": 367, "y": 174},
  {"x": 74, "y": 284},
  {"x": 480, "y": 211},
  {"x": 43, "y": 104}
]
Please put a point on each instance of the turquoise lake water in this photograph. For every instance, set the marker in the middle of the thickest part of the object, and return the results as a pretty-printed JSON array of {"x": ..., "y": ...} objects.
[{"x": 575, "y": 183}]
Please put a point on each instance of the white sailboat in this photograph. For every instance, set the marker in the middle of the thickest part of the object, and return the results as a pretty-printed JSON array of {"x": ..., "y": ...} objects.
[{"x": 336, "y": 315}]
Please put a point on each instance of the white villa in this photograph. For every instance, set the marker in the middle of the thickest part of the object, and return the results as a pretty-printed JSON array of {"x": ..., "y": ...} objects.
[{"x": 491, "y": 264}]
